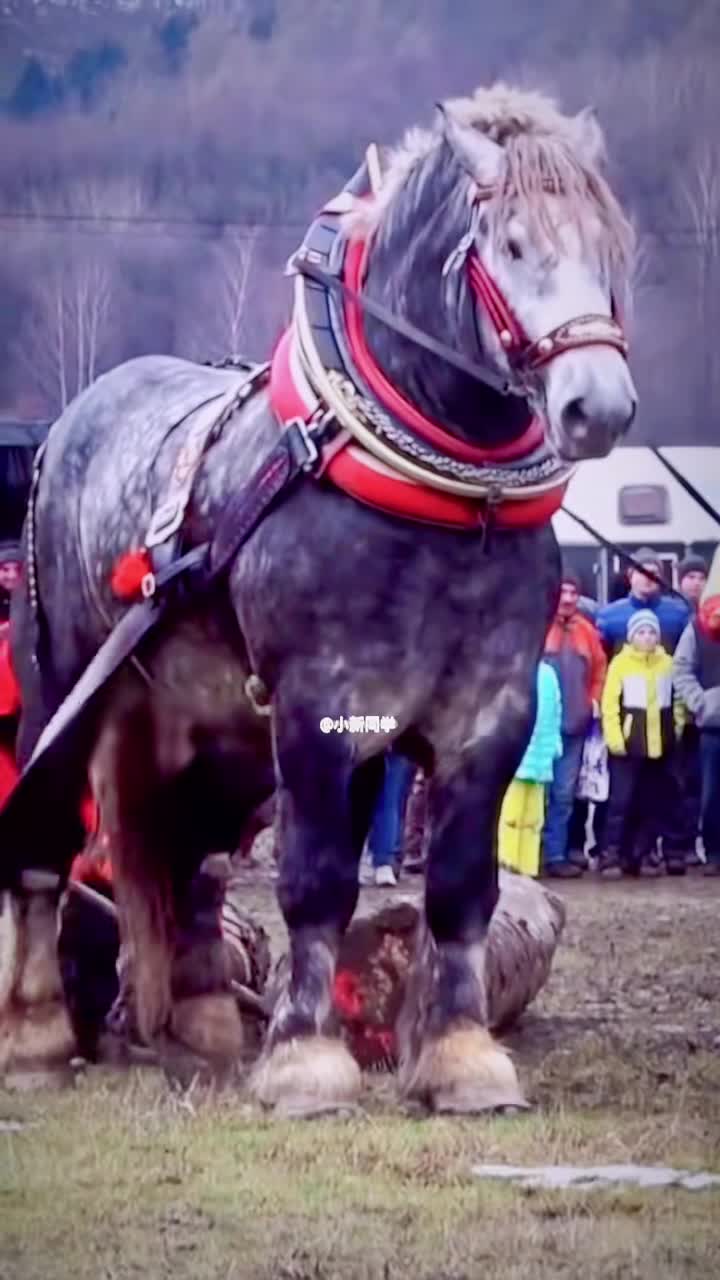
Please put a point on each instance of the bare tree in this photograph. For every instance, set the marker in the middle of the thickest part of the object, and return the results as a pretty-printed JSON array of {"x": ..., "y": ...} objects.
[
  {"x": 216, "y": 321},
  {"x": 66, "y": 332},
  {"x": 69, "y": 331},
  {"x": 699, "y": 191}
]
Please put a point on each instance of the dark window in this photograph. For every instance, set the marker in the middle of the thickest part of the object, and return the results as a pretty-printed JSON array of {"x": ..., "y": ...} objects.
[{"x": 644, "y": 504}]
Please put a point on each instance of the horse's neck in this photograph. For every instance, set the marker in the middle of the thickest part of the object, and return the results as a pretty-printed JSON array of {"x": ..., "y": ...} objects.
[{"x": 464, "y": 406}]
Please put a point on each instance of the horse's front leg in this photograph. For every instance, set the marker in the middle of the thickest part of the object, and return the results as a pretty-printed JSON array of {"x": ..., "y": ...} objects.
[
  {"x": 324, "y": 809},
  {"x": 448, "y": 1058}
]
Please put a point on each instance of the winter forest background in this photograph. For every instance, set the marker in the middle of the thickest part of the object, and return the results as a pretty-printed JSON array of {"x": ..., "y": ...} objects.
[{"x": 161, "y": 160}]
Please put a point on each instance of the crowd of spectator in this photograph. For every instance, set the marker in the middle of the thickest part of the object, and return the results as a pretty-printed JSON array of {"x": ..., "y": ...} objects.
[
  {"x": 645, "y": 671},
  {"x": 639, "y": 676}
]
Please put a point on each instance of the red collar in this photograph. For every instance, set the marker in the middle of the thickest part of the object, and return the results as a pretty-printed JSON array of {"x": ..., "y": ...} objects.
[{"x": 363, "y": 477}]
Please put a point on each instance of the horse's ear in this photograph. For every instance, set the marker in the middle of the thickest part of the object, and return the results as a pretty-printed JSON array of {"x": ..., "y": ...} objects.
[
  {"x": 589, "y": 135},
  {"x": 479, "y": 156}
]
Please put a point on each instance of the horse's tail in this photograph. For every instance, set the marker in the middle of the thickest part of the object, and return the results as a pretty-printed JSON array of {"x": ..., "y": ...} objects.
[{"x": 147, "y": 925}]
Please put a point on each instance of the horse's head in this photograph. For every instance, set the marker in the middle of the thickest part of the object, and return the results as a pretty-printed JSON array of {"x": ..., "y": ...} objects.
[{"x": 515, "y": 250}]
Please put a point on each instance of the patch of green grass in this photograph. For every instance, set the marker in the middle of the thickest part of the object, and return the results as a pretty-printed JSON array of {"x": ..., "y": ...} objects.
[{"x": 123, "y": 1177}]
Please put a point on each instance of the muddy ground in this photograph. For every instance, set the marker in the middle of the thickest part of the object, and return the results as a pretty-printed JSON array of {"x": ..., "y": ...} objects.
[{"x": 638, "y": 967}]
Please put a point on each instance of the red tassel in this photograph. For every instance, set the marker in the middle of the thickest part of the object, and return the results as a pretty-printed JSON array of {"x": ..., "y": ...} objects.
[
  {"x": 346, "y": 994},
  {"x": 128, "y": 574}
]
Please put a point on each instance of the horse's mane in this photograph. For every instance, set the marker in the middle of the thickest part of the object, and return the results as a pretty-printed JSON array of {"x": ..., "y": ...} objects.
[{"x": 544, "y": 148}]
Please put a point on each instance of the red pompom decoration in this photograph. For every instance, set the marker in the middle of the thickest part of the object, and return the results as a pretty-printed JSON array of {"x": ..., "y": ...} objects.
[{"x": 127, "y": 576}]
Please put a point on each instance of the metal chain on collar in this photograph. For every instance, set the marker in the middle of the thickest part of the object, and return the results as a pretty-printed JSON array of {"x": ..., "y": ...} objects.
[{"x": 546, "y": 468}]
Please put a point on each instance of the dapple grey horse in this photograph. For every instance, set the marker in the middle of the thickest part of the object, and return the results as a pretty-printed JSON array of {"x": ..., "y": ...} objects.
[{"x": 338, "y": 610}]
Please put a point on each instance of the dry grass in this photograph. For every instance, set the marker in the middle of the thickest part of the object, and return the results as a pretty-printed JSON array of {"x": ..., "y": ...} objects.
[{"x": 124, "y": 1177}]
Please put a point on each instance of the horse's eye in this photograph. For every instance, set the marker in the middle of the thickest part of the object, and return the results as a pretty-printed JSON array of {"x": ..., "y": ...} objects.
[{"x": 515, "y": 250}]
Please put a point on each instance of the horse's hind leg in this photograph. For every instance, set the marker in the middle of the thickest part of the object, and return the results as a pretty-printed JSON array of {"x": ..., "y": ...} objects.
[
  {"x": 204, "y": 1016},
  {"x": 448, "y": 1058},
  {"x": 324, "y": 814},
  {"x": 173, "y": 979},
  {"x": 36, "y": 1036}
]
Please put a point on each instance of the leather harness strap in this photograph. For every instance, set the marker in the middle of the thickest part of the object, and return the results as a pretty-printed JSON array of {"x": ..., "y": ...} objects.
[
  {"x": 297, "y": 452},
  {"x": 473, "y": 368},
  {"x": 164, "y": 535}
]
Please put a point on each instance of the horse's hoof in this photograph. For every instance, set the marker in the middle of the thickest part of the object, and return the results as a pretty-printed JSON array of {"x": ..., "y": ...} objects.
[
  {"x": 37, "y": 1040},
  {"x": 465, "y": 1072},
  {"x": 208, "y": 1025},
  {"x": 204, "y": 1039},
  {"x": 36, "y": 1046},
  {"x": 308, "y": 1076},
  {"x": 312, "y": 1110},
  {"x": 478, "y": 1101},
  {"x": 26, "y": 1079}
]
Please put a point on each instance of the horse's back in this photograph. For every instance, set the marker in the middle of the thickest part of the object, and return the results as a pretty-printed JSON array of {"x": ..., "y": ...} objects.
[
  {"x": 106, "y": 468},
  {"x": 123, "y": 418}
]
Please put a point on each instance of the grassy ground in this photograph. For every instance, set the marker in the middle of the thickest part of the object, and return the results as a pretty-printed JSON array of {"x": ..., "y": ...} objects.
[{"x": 124, "y": 1177}]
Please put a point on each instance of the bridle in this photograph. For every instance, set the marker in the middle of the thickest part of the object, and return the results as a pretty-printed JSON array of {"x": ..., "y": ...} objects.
[{"x": 524, "y": 356}]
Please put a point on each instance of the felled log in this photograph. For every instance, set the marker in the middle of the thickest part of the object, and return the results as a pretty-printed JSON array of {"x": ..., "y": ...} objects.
[
  {"x": 377, "y": 953},
  {"x": 373, "y": 965}
]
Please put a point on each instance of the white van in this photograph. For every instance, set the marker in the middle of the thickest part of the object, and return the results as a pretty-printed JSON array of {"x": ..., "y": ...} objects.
[{"x": 633, "y": 501}]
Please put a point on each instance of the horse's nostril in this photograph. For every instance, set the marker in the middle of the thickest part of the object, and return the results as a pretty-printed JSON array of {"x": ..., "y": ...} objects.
[
  {"x": 584, "y": 422},
  {"x": 575, "y": 420}
]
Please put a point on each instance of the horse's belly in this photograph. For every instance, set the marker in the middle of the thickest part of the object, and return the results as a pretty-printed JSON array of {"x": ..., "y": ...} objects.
[{"x": 199, "y": 673}]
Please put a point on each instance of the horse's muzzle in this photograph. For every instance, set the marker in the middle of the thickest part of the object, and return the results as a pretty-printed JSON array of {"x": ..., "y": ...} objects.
[{"x": 590, "y": 428}]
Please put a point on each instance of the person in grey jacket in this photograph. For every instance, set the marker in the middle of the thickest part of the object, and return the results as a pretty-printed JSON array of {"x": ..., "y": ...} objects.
[{"x": 696, "y": 676}]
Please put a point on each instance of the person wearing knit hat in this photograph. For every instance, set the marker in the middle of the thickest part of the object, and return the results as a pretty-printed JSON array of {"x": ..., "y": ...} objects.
[
  {"x": 673, "y": 613},
  {"x": 643, "y": 630},
  {"x": 10, "y": 563},
  {"x": 642, "y": 719},
  {"x": 692, "y": 576},
  {"x": 696, "y": 671},
  {"x": 649, "y": 559},
  {"x": 9, "y": 550}
]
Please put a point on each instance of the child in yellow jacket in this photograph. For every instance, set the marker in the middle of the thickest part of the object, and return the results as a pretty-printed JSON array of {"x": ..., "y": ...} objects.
[
  {"x": 523, "y": 807},
  {"x": 642, "y": 719}
]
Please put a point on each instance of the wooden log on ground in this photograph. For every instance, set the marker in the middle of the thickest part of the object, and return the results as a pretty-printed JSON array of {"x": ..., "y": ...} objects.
[
  {"x": 377, "y": 953},
  {"x": 373, "y": 967}
]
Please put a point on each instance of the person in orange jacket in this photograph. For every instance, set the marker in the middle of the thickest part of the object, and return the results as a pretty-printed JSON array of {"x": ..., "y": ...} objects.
[{"x": 573, "y": 648}]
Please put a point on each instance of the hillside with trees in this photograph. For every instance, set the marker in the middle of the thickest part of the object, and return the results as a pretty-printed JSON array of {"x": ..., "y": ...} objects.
[{"x": 161, "y": 160}]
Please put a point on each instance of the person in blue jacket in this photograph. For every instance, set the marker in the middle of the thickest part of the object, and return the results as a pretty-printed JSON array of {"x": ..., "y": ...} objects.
[{"x": 673, "y": 614}]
